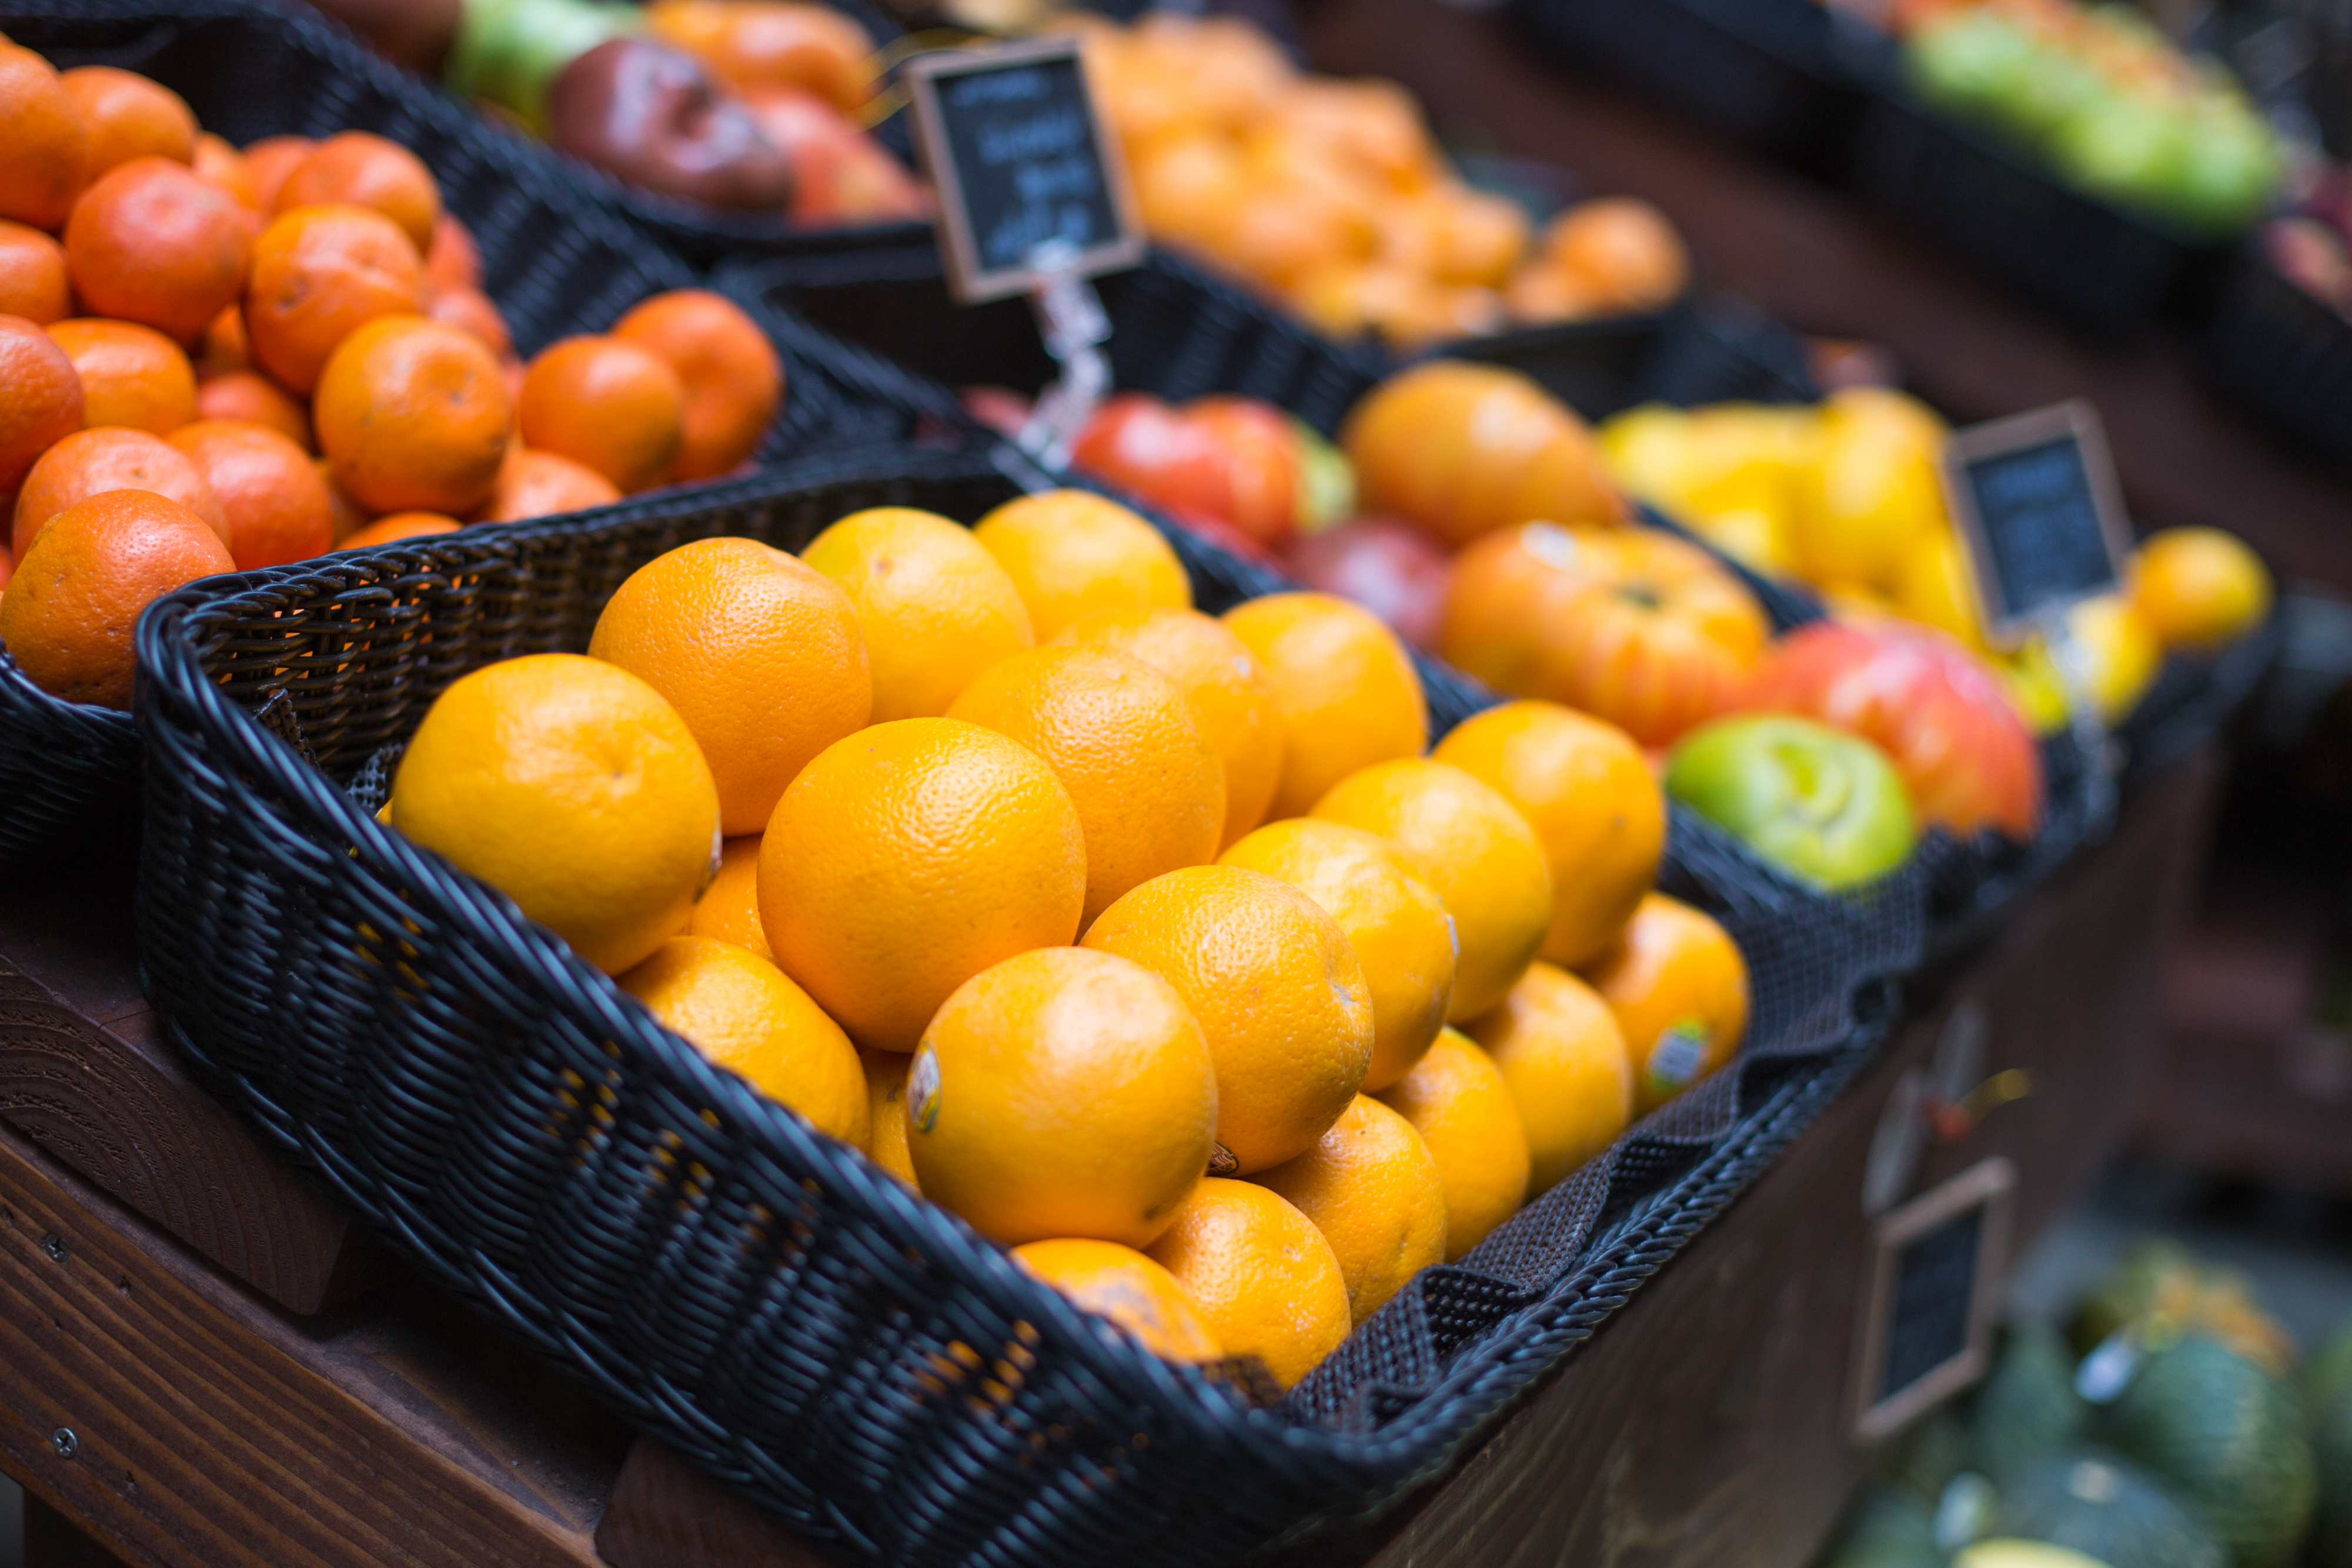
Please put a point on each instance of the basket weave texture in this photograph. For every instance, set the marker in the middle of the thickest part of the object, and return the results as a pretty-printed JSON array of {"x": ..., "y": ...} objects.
[{"x": 758, "y": 1296}]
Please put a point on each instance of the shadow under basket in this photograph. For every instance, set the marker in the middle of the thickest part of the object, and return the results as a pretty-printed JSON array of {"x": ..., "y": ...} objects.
[{"x": 759, "y": 1297}]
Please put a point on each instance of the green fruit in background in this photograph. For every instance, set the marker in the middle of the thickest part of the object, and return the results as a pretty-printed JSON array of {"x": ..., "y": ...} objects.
[
  {"x": 2028, "y": 1408},
  {"x": 2099, "y": 1504},
  {"x": 2042, "y": 90},
  {"x": 2226, "y": 1438},
  {"x": 2124, "y": 148},
  {"x": 2228, "y": 169},
  {"x": 1964, "y": 59},
  {"x": 1326, "y": 489},
  {"x": 1888, "y": 1528},
  {"x": 509, "y": 52},
  {"x": 1826, "y": 805},
  {"x": 2331, "y": 1446}
]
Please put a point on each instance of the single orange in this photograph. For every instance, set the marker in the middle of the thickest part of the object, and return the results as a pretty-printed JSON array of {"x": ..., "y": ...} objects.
[
  {"x": 452, "y": 260},
  {"x": 1457, "y": 1100},
  {"x": 278, "y": 506},
  {"x": 225, "y": 346},
  {"x": 1371, "y": 1188},
  {"x": 49, "y": 150},
  {"x": 40, "y": 397},
  {"x": 729, "y": 909},
  {"x": 886, "y": 1107},
  {"x": 1625, "y": 248},
  {"x": 267, "y": 163},
  {"x": 128, "y": 115},
  {"x": 92, "y": 462},
  {"x": 1131, "y": 1290},
  {"x": 2200, "y": 589},
  {"x": 734, "y": 381},
  {"x": 222, "y": 166},
  {"x": 1563, "y": 1058},
  {"x": 771, "y": 42},
  {"x": 359, "y": 168},
  {"x": 1262, "y": 1274},
  {"x": 252, "y": 396},
  {"x": 320, "y": 274},
  {"x": 760, "y": 654},
  {"x": 470, "y": 310},
  {"x": 32, "y": 275},
  {"x": 414, "y": 416},
  {"x": 936, "y": 608},
  {"x": 1072, "y": 552},
  {"x": 68, "y": 610},
  {"x": 543, "y": 485},
  {"x": 1062, "y": 1092},
  {"x": 132, "y": 376},
  {"x": 395, "y": 526},
  {"x": 606, "y": 404},
  {"x": 1345, "y": 689},
  {"x": 1678, "y": 986}
]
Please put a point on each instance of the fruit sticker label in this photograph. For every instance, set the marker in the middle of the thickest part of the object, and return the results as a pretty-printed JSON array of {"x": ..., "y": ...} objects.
[
  {"x": 1681, "y": 1051},
  {"x": 2036, "y": 499},
  {"x": 1931, "y": 1298}
]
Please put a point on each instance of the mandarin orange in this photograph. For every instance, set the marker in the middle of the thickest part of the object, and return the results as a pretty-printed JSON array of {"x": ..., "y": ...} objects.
[
  {"x": 608, "y": 405},
  {"x": 127, "y": 116},
  {"x": 92, "y": 462},
  {"x": 40, "y": 397},
  {"x": 470, "y": 310},
  {"x": 267, "y": 163},
  {"x": 320, "y": 274},
  {"x": 32, "y": 275},
  {"x": 252, "y": 396},
  {"x": 733, "y": 378},
  {"x": 277, "y": 507},
  {"x": 413, "y": 415},
  {"x": 132, "y": 376},
  {"x": 49, "y": 150},
  {"x": 543, "y": 485},
  {"x": 395, "y": 526},
  {"x": 359, "y": 168}
]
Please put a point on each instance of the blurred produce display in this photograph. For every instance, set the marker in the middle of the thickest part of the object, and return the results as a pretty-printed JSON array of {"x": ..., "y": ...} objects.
[{"x": 2311, "y": 246}]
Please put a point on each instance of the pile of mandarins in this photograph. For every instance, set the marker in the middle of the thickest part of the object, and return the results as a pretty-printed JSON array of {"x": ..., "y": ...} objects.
[
  {"x": 1150, "y": 942},
  {"x": 212, "y": 359}
]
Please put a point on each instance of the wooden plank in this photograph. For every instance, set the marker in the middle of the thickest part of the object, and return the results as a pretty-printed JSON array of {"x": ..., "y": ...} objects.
[
  {"x": 53, "y": 1541},
  {"x": 665, "y": 1513}
]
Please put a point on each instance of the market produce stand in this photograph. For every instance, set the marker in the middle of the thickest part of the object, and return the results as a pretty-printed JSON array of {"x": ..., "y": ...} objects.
[{"x": 205, "y": 1363}]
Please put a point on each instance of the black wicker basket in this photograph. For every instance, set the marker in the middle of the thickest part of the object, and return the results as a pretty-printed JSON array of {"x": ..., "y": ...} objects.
[
  {"x": 2282, "y": 357},
  {"x": 761, "y": 1297}
]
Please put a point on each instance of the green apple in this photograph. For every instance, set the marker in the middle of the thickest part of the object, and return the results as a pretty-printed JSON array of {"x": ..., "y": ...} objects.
[
  {"x": 2044, "y": 87},
  {"x": 1825, "y": 806},
  {"x": 1964, "y": 59},
  {"x": 508, "y": 52},
  {"x": 2228, "y": 168},
  {"x": 2124, "y": 146}
]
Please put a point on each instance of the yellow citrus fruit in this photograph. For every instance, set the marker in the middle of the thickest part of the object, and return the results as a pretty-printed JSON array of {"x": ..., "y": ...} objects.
[
  {"x": 760, "y": 654},
  {"x": 1372, "y": 1188},
  {"x": 573, "y": 788},
  {"x": 746, "y": 1015},
  {"x": 1223, "y": 682},
  {"x": 2198, "y": 588},
  {"x": 1072, "y": 553},
  {"x": 1472, "y": 845},
  {"x": 1263, "y": 1275},
  {"x": 1396, "y": 921},
  {"x": 1456, "y": 1100},
  {"x": 1586, "y": 789},
  {"x": 1150, "y": 791},
  {"x": 1563, "y": 1059},
  {"x": 1062, "y": 1092},
  {"x": 1678, "y": 986},
  {"x": 908, "y": 858},
  {"x": 936, "y": 607},
  {"x": 1131, "y": 1290},
  {"x": 729, "y": 909},
  {"x": 2122, "y": 651},
  {"x": 1278, "y": 989},
  {"x": 1935, "y": 585},
  {"x": 1345, "y": 689},
  {"x": 1871, "y": 489},
  {"x": 886, "y": 1107}
]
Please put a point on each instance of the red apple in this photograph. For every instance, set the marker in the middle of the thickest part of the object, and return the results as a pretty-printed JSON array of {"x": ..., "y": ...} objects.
[
  {"x": 1388, "y": 567},
  {"x": 1224, "y": 457},
  {"x": 842, "y": 176}
]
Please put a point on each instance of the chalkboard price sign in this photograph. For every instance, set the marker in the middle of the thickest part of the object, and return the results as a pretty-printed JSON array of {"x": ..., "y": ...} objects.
[
  {"x": 2035, "y": 497},
  {"x": 1931, "y": 1298},
  {"x": 1029, "y": 181}
]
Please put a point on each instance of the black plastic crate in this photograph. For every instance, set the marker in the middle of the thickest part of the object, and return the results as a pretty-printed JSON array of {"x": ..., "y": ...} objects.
[{"x": 2282, "y": 357}]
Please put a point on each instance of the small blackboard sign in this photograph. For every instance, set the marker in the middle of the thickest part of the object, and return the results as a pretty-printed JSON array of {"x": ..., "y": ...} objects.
[
  {"x": 2036, "y": 499},
  {"x": 1931, "y": 1297},
  {"x": 1028, "y": 174}
]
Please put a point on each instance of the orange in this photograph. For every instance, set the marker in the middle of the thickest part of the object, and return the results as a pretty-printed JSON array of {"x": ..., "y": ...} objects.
[
  {"x": 729, "y": 908},
  {"x": 92, "y": 462},
  {"x": 32, "y": 275},
  {"x": 349, "y": 519},
  {"x": 393, "y": 526},
  {"x": 1456, "y": 1100},
  {"x": 251, "y": 396},
  {"x": 1563, "y": 1058},
  {"x": 267, "y": 163},
  {"x": 2200, "y": 588},
  {"x": 607, "y": 405},
  {"x": 542, "y": 484},
  {"x": 452, "y": 260},
  {"x": 734, "y": 381},
  {"x": 907, "y": 858},
  {"x": 49, "y": 149},
  {"x": 936, "y": 607},
  {"x": 1395, "y": 921},
  {"x": 758, "y": 652},
  {"x": 1278, "y": 989},
  {"x": 1261, "y": 1274},
  {"x": 1370, "y": 1186},
  {"x": 132, "y": 376},
  {"x": 126, "y": 116},
  {"x": 764, "y": 43},
  {"x": 413, "y": 415},
  {"x": 1586, "y": 789},
  {"x": 470, "y": 310},
  {"x": 1474, "y": 848},
  {"x": 1345, "y": 689},
  {"x": 68, "y": 612},
  {"x": 1149, "y": 790},
  {"x": 222, "y": 166},
  {"x": 1071, "y": 552},
  {"x": 1131, "y": 1290},
  {"x": 40, "y": 397},
  {"x": 320, "y": 274},
  {"x": 886, "y": 1104},
  {"x": 741, "y": 1012},
  {"x": 1062, "y": 1092},
  {"x": 277, "y": 507},
  {"x": 568, "y": 784},
  {"x": 1678, "y": 986},
  {"x": 355, "y": 167},
  {"x": 1625, "y": 248},
  {"x": 224, "y": 347},
  {"x": 1223, "y": 682},
  {"x": 152, "y": 243}
]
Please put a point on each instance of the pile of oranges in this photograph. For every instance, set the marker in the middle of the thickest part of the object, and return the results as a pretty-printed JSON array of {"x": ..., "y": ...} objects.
[
  {"x": 213, "y": 360},
  {"x": 1157, "y": 946}
]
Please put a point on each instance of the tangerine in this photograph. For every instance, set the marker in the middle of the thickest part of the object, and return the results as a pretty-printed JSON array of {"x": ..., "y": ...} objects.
[
  {"x": 249, "y": 396},
  {"x": 452, "y": 260},
  {"x": 128, "y": 115},
  {"x": 320, "y": 274},
  {"x": 359, "y": 168},
  {"x": 607, "y": 405},
  {"x": 277, "y": 507},
  {"x": 936, "y": 608},
  {"x": 32, "y": 275},
  {"x": 395, "y": 526},
  {"x": 132, "y": 376},
  {"x": 733, "y": 378},
  {"x": 92, "y": 462},
  {"x": 267, "y": 163},
  {"x": 48, "y": 159},
  {"x": 543, "y": 485},
  {"x": 222, "y": 166},
  {"x": 40, "y": 397},
  {"x": 470, "y": 310},
  {"x": 413, "y": 415}
]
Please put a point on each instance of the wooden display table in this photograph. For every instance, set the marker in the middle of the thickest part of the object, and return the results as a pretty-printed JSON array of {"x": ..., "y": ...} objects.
[{"x": 203, "y": 1364}]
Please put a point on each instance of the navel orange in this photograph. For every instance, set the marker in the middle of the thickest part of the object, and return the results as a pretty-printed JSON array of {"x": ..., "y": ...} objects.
[
  {"x": 1072, "y": 552},
  {"x": 1678, "y": 986},
  {"x": 729, "y": 908},
  {"x": 1131, "y": 1290},
  {"x": 886, "y": 1103},
  {"x": 1456, "y": 1100},
  {"x": 1346, "y": 690},
  {"x": 1371, "y": 1188},
  {"x": 936, "y": 607},
  {"x": 1563, "y": 1058},
  {"x": 1262, "y": 1274}
]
